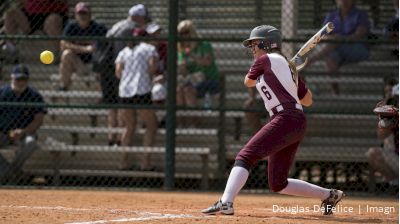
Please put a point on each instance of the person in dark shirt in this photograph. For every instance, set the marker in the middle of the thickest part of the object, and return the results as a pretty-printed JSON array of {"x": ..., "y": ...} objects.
[
  {"x": 46, "y": 17},
  {"x": 352, "y": 25},
  {"x": 77, "y": 54},
  {"x": 385, "y": 159},
  {"x": 18, "y": 124}
]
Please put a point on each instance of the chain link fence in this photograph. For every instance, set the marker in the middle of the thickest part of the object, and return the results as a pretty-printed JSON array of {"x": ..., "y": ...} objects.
[{"x": 100, "y": 114}]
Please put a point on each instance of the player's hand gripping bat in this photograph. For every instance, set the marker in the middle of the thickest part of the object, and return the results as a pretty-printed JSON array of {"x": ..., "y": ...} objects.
[{"x": 298, "y": 59}]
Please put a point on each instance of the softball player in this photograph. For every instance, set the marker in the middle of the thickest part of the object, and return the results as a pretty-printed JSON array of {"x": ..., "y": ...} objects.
[{"x": 283, "y": 93}]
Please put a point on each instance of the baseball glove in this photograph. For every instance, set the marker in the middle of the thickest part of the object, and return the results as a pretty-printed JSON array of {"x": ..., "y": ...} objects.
[
  {"x": 387, "y": 111},
  {"x": 388, "y": 116}
]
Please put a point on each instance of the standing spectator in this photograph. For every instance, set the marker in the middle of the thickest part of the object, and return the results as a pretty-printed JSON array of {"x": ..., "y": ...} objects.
[
  {"x": 140, "y": 15},
  {"x": 77, "y": 54},
  {"x": 106, "y": 67},
  {"x": 137, "y": 17},
  {"x": 198, "y": 72},
  {"x": 135, "y": 66},
  {"x": 18, "y": 124},
  {"x": 154, "y": 30},
  {"x": 29, "y": 16},
  {"x": 159, "y": 90},
  {"x": 351, "y": 24}
]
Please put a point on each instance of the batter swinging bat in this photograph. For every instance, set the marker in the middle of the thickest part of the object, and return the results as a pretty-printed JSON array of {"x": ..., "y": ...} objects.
[{"x": 310, "y": 44}]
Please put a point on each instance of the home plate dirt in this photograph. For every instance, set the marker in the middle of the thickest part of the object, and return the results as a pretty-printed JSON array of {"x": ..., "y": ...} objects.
[{"x": 94, "y": 207}]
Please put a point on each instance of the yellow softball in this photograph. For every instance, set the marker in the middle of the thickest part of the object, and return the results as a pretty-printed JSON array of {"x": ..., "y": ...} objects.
[{"x": 47, "y": 57}]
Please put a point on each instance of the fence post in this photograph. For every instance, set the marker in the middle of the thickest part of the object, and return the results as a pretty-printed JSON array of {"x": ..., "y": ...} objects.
[
  {"x": 221, "y": 129},
  {"x": 289, "y": 24},
  {"x": 169, "y": 181}
]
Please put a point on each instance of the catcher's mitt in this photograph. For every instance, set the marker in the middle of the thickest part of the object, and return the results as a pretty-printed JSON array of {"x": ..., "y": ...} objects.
[
  {"x": 388, "y": 116},
  {"x": 387, "y": 111}
]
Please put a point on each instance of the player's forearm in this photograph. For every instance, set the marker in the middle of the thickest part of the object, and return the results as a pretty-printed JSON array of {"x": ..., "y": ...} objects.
[
  {"x": 118, "y": 70},
  {"x": 359, "y": 34},
  {"x": 307, "y": 99},
  {"x": 252, "y": 92},
  {"x": 249, "y": 82},
  {"x": 35, "y": 124},
  {"x": 74, "y": 47},
  {"x": 153, "y": 66},
  {"x": 384, "y": 132},
  {"x": 203, "y": 61}
]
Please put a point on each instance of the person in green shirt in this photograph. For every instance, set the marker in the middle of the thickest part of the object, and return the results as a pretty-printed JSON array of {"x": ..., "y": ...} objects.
[{"x": 197, "y": 70}]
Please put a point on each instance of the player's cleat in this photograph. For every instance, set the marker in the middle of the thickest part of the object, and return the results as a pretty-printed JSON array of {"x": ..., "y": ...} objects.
[
  {"x": 330, "y": 203},
  {"x": 219, "y": 207}
]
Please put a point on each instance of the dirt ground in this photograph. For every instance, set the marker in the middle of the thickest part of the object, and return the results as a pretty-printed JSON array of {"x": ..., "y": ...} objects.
[{"x": 93, "y": 207}]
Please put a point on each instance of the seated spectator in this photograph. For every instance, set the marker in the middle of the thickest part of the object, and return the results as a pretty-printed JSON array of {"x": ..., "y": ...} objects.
[
  {"x": 18, "y": 124},
  {"x": 77, "y": 54},
  {"x": 198, "y": 72},
  {"x": 351, "y": 24},
  {"x": 135, "y": 66},
  {"x": 29, "y": 16},
  {"x": 385, "y": 159},
  {"x": 392, "y": 28}
]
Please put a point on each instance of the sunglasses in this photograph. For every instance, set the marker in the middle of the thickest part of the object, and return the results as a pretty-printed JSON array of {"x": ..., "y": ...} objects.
[
  {"x": 21, "y": 79},
  {"x": 186, "y": 32}
]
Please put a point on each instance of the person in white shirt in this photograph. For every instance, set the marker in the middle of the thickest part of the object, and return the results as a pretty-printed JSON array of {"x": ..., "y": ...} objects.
[{"x": 135, "y": 66}]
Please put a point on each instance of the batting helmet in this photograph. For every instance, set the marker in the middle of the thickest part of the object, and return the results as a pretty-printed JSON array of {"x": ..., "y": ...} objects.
[{"x": 270, "y": 36}]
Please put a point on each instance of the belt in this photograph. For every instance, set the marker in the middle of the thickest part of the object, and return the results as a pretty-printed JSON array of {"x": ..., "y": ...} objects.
[{"x": 285, "y": 106}]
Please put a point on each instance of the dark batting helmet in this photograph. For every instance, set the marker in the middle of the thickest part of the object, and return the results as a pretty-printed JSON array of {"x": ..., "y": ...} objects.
[{"x": 270, "y": 36}]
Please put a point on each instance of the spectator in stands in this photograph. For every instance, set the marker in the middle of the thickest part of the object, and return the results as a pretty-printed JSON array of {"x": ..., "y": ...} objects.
[
  {"x": 351, "y": 24},
  {"x": 77, "y": 54},
  {"x": 385, "y": 159},
  {"x": 106, "y": 66},
  {"x": 198, "y": 72},
  {"x": 19, "y": 124},
  {"x": 29, "y": 16},
  {"x": 140, "y": 15},
  {"x": 135, "y": 66},
  {"x": 392, "y": 28},
  {"x": 159, "y": 90}
]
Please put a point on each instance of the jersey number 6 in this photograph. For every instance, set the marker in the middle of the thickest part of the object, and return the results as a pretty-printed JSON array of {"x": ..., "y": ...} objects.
[{"x": 266, "y": 93}]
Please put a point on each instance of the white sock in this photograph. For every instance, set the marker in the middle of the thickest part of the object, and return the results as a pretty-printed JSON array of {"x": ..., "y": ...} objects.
[
  {"x": 302, "y": 188},
  {"x": 237, "y": 179}
]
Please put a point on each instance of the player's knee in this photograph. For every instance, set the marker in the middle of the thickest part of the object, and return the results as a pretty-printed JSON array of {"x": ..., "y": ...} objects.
[
  {"x": 67, "y": 54},
  {"x": 277, "y": 186},
  {"x": 242, "y": 163}
]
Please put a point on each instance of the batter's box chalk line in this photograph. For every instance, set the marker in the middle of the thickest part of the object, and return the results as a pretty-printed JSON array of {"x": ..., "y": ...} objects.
[{"x": 143, "y": 215}]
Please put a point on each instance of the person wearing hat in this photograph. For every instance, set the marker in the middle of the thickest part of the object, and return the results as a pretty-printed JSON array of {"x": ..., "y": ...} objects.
[
  {"x": 159, "y": 89},
  {"x": 108, "y": 81},
  {"x": 18, "y": 124},
  {"x": 135, "y": 67},
  {"x": 76, "y": 55},
  {"x": 33, "y": 17},
  {"x": 284, "y": 95}
]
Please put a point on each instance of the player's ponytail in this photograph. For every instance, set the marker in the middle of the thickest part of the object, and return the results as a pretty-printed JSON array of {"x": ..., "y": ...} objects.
[
  {"x": 292, "y": 67},
  {"x": 295, "y": 74}
]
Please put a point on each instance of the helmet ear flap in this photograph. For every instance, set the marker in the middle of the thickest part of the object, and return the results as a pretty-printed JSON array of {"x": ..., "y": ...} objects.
[
  {"x": 261, "y": 45},
  {"x": 264, "y": 46}
]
